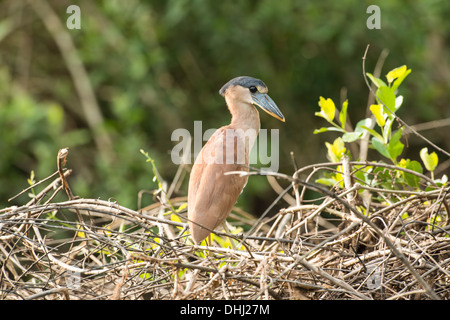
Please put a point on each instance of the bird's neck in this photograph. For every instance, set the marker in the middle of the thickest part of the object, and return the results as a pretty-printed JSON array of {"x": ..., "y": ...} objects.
[{"x": 244, "y": 116}]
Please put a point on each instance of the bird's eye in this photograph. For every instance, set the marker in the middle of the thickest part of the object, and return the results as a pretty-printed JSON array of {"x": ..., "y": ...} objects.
[{"x": 253, "y": 89}]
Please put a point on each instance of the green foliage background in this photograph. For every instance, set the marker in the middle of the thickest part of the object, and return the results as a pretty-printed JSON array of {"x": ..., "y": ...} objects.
[{"x": 155, "y": 66}]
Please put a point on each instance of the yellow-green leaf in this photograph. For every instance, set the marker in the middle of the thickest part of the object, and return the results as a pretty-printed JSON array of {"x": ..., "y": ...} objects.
[
  {"x": 182, "y": 207},
  {"x": 80, "y": 234},
  {"x": 31, "y": 180},
  {"x": 376, "y": 81},
  {"x": 429, "y": 160},
  {"x": 386, "y": 96},
  {"x": 336, "y": 150},
  {"x": 380, "y": 115},
  {"x": 343, "y": 114},
  {"x": 327, "y": 109},
  {"x": 411, "y": 179},
  {"x": 396, "y": 73},
  {"x": 400, "y": 79},
  {"x": 405, "y": 216},
  {"x": 175, "y": 218}
]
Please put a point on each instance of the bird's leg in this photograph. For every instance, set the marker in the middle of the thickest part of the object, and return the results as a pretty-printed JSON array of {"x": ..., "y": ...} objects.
[{"x": 227, "y": 230}]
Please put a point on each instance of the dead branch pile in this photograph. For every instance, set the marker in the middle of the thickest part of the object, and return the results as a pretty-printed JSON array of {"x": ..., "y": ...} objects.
[{"x": 355, "y": 242}]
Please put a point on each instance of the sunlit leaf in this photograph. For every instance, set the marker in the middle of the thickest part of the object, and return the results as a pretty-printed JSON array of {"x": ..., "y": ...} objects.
[
  {"x": 376, "y": 81},
  {"x": 400, "y": 79},
  {"x": 182, "y": 207},
  {"x": 176, "y": 218},
  {"x": 80, "y": 234},
  {"x": 31, "y": 180},
  {"x": 405, "y": 216},
  {"x": 338, "y": 177},
  {"x": 326, "y": 181},
  {"x": 373, "y": 133},
  {"x": 336, "y": 150},
  {"x": 380, "y": 116},
  {"x": 327, "y": 109},
  {"x": 395, "y": 73},
  {"x": 343, "y": 114},
  {"x": 325, "y": 129},
  {"x": 429, "y": 160},
  {"x": 435, "y": 220}
]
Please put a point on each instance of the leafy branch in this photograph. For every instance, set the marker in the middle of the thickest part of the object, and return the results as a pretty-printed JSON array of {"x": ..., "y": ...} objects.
[{"x": 384, "y": 139}]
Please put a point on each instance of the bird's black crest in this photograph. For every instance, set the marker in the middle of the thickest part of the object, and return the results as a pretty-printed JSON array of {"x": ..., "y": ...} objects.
[{"x": 243, "y": 81}]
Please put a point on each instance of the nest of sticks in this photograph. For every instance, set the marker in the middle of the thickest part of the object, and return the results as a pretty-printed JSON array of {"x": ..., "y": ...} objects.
[{"x": 357, "y": 242}]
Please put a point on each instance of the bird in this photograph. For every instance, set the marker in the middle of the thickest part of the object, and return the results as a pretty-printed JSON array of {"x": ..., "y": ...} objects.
[{"x": 211, "y": 193}]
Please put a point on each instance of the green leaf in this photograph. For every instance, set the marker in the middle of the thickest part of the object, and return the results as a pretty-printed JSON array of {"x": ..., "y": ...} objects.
[
  {"x": 387, "y": 97},
  {"x": 326, "y": 181},
  {"x": 327, "y": 109},
  {"x": 359, "y": 131},
  {"x": 325, "y": 129},
  {"x": 351, "y": 136},
  {"x": 343, "y": 114},
  {"x": 405, "y": 215},
  {"x": 376, "y": 81},
  {"x": 362, "y": 125},
  {"x": 363, "y": 173},
  {"x": 429, "y": 160},
  {"x": 373, "y": 133},
  {"x": 380, "y": 146},
  {"x": 395, "y": 146},
  {"x": 411, "y": 179}
]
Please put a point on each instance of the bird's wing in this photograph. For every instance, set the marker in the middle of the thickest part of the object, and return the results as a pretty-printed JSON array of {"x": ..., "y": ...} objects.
[{"x": 212, "y": 194}]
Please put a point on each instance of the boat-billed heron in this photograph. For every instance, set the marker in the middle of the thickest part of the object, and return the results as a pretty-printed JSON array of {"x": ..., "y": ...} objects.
[{"x": 212, "y": 193}]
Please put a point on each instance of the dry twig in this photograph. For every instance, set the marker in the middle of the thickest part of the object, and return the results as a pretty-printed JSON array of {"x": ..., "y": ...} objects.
[{"x": 49, "y": 250}]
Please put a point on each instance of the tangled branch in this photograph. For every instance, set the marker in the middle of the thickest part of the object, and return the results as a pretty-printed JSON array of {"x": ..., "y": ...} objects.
[{"x": 359, "y": 242}]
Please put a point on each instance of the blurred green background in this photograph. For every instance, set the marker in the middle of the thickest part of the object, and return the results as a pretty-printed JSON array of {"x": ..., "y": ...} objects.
[{"x": 138, "y": 70}]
